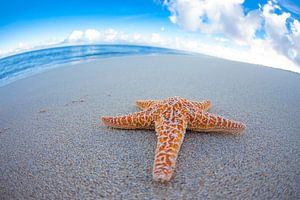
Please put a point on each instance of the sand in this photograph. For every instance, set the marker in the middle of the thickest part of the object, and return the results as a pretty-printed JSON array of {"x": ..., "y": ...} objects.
[{"x": 53, "y": 146}]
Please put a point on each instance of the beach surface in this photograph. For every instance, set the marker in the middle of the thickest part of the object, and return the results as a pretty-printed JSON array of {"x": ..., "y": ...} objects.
[{"x": 53, "y": 145}]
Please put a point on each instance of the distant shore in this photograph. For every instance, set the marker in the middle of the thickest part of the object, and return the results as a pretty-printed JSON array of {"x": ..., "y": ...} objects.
[{"x": 52, "y": 144}]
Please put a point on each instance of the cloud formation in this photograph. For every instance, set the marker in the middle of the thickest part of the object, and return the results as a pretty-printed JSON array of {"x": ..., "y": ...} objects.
[
  {"x": 113, "y": 36},
  {"x": 281, "y": 32},
  {"x": 103, "y": 36},
  {"x": 283, "y": 40},
  {"x": 214, "y": 16}
]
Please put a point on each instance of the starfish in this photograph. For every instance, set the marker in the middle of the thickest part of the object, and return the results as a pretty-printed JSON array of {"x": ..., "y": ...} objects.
[{"x": 171, "y": 118}]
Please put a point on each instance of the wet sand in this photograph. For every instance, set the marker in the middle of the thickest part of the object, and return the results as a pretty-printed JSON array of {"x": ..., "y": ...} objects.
[{"x": 53, "y": 146}]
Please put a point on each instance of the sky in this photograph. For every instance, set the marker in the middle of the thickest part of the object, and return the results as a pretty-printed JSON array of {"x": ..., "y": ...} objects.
[{"x": 253, "y": 31}]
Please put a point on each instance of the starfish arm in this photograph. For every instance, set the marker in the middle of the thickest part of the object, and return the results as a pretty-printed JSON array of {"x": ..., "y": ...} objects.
[
  {"x": 202, "y": 105},
  {"x": 145, "y": 104},
  {"x": 205, "y": 122},
  {"x": 170, "y": 137},
  {"x": 137, "y": 120}
]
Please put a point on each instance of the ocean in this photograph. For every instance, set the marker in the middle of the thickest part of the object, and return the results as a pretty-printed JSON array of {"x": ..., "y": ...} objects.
[{"x": 22, "y": 65}]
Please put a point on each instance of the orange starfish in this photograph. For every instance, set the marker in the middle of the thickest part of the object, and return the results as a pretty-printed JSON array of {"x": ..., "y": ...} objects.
[{"x": 170, "y": 118}]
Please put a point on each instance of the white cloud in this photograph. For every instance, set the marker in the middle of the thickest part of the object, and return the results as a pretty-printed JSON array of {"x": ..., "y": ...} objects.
[
  {"x": 89, "y": 35},
  {"x": 111, "y": 35},
  {"x": 136, "y": 37},
  {"x": 296, "y": 28},
  {"x": 260, "y": 52},
  {"x": 92, "y": 35},
  {"x": 214, "y": 16},
  {"x": 75, "y": 36},
  {"x": 227, "y": 18},
  {"x": 155, "y": 38},
  {"x": 278, "y": 35}
]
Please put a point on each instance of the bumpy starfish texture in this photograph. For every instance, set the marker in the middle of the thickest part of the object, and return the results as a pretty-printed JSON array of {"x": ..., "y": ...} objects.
[{"x": 170, "y": 118}]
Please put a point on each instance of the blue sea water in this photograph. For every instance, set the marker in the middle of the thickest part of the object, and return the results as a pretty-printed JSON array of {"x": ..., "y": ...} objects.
[{"x": 23, "y": 65}]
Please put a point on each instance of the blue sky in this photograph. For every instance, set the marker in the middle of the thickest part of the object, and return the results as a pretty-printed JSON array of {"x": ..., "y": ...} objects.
[
  {"x": 23, "y": 16},
  {"x": 27, "y": 24}
]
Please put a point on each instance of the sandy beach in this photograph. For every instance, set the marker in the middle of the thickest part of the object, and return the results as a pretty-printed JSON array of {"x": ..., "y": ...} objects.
[{"x": 53, "y": 145}]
